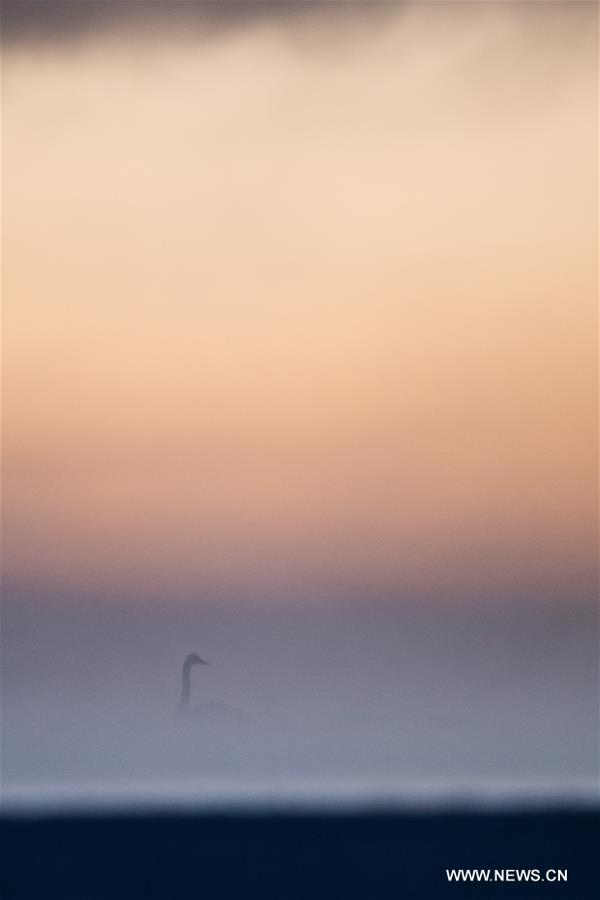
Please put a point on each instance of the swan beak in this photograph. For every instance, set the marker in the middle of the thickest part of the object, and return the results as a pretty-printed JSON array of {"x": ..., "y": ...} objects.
[{"x": 203, "y": 661}]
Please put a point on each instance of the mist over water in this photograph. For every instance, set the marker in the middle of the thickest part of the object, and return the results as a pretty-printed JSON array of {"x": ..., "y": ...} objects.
[{"x": 322, "y": 695}]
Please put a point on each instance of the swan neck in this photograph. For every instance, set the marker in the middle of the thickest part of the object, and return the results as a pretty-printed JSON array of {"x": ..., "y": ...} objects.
[{"x": 186, "y": 686}]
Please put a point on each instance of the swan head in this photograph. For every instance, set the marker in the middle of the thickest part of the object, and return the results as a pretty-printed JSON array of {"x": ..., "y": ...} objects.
[{"x": 194, "y": 660}]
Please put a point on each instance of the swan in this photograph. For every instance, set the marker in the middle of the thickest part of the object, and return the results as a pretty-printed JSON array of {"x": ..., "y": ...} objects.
[
  {"x": 192, "y": 659},
  {"x": 207, "y": 710}
]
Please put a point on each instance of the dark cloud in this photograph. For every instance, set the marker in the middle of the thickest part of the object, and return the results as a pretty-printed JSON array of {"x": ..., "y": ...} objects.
[
  {"x": 27, "y": 22},
  {"x": 59, "y": 20}
]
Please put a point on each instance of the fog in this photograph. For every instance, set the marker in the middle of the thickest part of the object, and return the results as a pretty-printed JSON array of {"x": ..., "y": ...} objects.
[{"x": 323, "y": 695}]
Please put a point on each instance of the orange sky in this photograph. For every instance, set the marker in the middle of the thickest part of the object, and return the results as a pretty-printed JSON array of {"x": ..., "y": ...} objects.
[{"x": 279, "y": 305}]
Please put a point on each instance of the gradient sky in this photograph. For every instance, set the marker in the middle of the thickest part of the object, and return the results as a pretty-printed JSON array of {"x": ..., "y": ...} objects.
[
  {"x": 305, "y": 299},
  {"x": 300, "y": 373}
]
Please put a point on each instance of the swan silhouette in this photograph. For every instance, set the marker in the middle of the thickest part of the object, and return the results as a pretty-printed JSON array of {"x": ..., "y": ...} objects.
[
  {"x": 192, "y": 659},
  {"x": 207, "y": 710}
]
